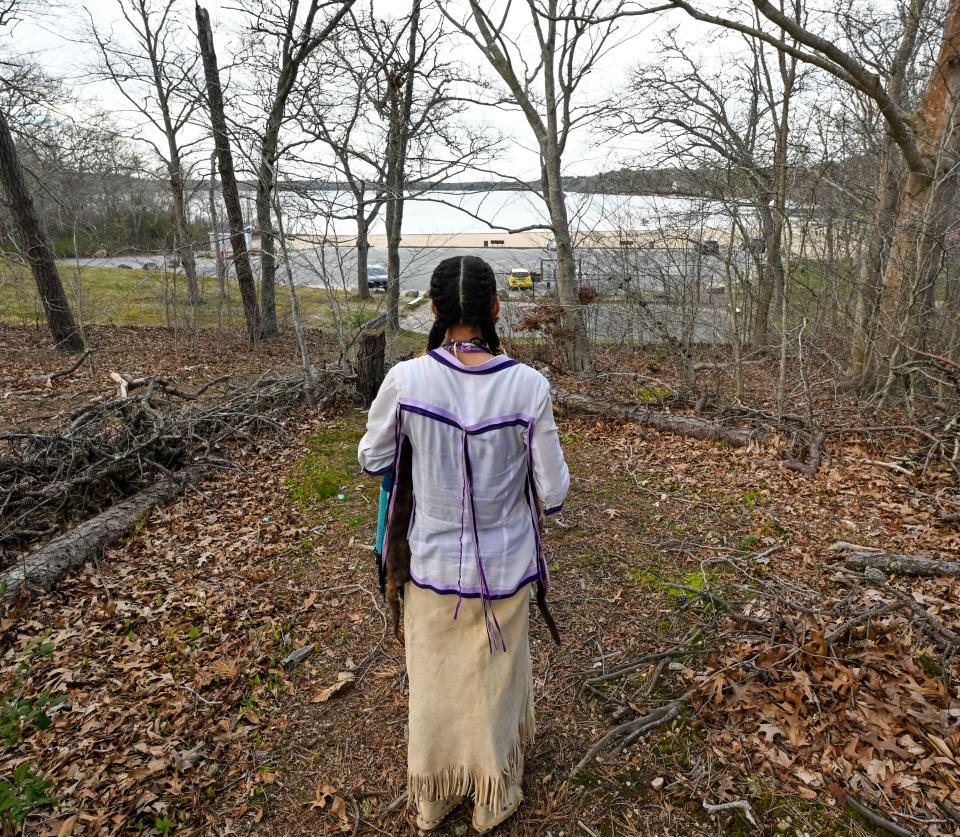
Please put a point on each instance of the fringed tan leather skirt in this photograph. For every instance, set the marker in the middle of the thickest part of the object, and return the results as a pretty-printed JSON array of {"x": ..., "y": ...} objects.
[{"x": 471, "y": 710}]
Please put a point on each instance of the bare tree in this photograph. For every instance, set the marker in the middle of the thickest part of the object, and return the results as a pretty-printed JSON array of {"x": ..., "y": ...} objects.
[
  {"x": 412, "y": 90},
  {"x": 922, "y": 137},
  {"x": 571, "y": 37},
  {"x": 733, "y": 122},
  {"x": 340, "y": 121},
  {"x": 282, "y": 42},
  {"x": 228, "y": 179},
  {"x": 155, "y": 75},
  {"x": 36, "y": 246}
]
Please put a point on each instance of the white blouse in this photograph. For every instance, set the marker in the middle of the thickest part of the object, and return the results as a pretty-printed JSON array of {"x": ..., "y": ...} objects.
[{"x": 479, "y": 436}]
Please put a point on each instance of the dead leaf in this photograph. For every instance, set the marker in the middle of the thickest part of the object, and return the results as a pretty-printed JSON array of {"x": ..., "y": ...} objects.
[{"x": 344, "y": 680}]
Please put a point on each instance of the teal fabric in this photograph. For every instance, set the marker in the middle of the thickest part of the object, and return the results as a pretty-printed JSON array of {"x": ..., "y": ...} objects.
[{"x": 385, "y": 485}]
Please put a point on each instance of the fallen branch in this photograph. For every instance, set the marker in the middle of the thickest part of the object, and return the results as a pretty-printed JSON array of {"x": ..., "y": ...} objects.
[
  {"x": 86, "y": 541},
  {"x": 53, "y": 376},
  {"x": 630, "y": 731},
  {"x": 896, "y": 564},
  {"x": 682, "y": 425}
]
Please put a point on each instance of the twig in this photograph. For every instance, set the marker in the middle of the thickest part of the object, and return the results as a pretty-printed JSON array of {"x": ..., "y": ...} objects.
[
  {"x": 393, "y": 805},
  {"x": 738, "y": 805},
  {"x": 876, "y": 578},
  {"x": 635, "y": 728},
  {"x": 893, "y": 466},
  {"x": 876, "y": 819}
]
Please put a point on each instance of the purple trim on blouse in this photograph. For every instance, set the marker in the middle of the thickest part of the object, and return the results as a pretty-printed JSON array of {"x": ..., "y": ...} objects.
[
  {"x": 472, "y": 592},
  {"x": 495, "y": 363},
  {"x": 423, "y": 411},
  {"x": 386, "y": 469},
  {"x": 553, "y": 509},
  {"x": 424, "y": 408}
]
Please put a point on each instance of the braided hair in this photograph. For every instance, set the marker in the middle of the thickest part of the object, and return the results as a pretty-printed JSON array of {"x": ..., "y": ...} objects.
[{"x": 464, "y": 290}]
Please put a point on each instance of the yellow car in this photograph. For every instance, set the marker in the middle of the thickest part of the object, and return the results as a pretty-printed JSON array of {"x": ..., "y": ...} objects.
[{"x": 520, "y": 279}]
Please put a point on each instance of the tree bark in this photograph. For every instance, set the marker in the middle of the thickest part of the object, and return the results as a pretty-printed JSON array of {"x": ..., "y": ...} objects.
[
  {"x": 36, "y": 246},
  {"x": 363, "y": 247},
  {"x": 228, "y": 179},
  {"x": 913, "y": 238},
  {"x": 86, "y": 541},
  {"x": 265, "y": 186},
  {"x": 911, "y": 565},
  {"x": 683, "y": 425}
]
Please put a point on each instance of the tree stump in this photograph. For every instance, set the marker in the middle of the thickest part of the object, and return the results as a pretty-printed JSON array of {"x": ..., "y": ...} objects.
[{"x": 370, "y": 362}]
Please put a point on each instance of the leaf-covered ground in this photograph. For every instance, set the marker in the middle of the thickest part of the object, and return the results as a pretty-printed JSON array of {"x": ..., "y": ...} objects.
[{"x": 177, "y": 715}]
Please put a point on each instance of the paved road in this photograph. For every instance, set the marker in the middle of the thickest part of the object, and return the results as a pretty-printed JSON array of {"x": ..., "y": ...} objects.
[
  {"x": 339, "y": 264},
  {"x": 655, "y": 270}
]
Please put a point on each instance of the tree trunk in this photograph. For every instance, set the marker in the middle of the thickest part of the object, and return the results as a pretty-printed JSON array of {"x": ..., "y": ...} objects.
[
  {"x": 215, "y": 230},
  {"x": 698, "y": 428},
  {"x": 86, "y": 541},
  {"x": 184, "y": 238},
  {"x": 897, "y": 564},
  {"x": 579, "y": 354},
  {"x": 298, "y": 329},
  {"x": 767, "y": 275},
  {"x": 871, "y": 262},
  {"x": 36, "y": 247},
  {"x": 577, "y": 341},
  {"x": 228, "y": 180},
  {"x": 399, "y": 82},
  {"x": 370, "y": 361},
  {"x": 268, "y": 263},
  {"x": 363, "y": 248},
  {"x": 394, "y": 222},
  {"x": 913, "y": 238}
]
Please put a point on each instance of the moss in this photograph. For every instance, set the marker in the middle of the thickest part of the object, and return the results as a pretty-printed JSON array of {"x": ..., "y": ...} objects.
[
  {"x": 930, "y": 666},
  {"x": 654, "y": 395},
  {"x": 327, "y": 470}
]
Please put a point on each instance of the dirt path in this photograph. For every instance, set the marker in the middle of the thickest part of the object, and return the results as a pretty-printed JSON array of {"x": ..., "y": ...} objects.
[{"x": 179, "y": 717}]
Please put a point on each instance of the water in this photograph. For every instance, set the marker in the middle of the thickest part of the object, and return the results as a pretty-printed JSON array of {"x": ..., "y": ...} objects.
[
  {"x": 328, "y": 212},
  {"x": 451, "y": 213}
]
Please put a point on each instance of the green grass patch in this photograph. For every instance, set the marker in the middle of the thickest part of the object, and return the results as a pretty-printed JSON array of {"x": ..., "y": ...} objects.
[
  {"x": 100, "y": 295},
  {"x": 327, "y": 470}
]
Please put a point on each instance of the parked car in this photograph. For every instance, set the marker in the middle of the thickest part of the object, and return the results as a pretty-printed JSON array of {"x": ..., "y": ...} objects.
[
  {"x": 520, "y": 279},
  {"x": 376, "y": 276},
  {"x": 710, "y": 247}
]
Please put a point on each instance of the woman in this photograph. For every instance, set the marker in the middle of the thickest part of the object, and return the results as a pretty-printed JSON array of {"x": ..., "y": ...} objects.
[{"x": 474, "y": 430}]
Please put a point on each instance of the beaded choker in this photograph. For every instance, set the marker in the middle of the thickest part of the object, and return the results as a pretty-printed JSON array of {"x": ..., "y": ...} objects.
[{"x": 473, "y": 346}]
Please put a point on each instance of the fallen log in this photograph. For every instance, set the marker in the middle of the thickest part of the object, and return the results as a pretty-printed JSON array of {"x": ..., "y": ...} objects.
[
  {"x": 896, "y": 564},
  {"x": 683, "y": 425},
  {"x": 85, "y": 542}
]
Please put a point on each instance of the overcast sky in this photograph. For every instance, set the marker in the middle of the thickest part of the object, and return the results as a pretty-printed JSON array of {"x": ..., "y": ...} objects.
[{"x": 55, "y": 41}]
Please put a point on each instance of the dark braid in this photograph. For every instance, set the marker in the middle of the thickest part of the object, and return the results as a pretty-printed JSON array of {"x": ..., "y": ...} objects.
[{"x": 464, "y": 290}]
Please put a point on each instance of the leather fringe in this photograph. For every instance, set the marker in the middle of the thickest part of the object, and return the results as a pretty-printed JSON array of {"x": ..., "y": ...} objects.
[{"x": 457, "y": 780}]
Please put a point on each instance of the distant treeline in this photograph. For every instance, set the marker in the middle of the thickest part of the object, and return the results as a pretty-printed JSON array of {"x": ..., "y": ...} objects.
[{"x": 817, "y": 185}]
